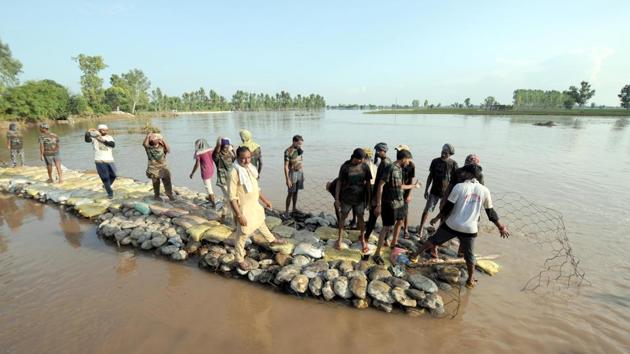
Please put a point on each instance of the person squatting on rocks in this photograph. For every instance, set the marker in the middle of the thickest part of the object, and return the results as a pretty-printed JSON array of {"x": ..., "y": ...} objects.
[
  {"x": 440, "y": 172},
  {"x": 352, "y": 192},
  {"x": 380, "y": 152},
  {"x": 203, "y": 159},
  {"x": 244, "y": 196},
  {"x": 15, "y": 144},
  {"x": 293, "y": 172},
  {"x": 49, "y": 151},
  {"x": 103, "y": 156},
  {"x": 390, "y": 201},
  {"x": 157, "y": 148},
  {"x": 462, "y": 211},
  {"x": 223, "y": 156},
  {"x": 254, "y": 148}
]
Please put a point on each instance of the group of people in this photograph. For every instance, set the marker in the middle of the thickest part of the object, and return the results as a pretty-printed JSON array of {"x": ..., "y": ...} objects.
[
  {"x": 368, "y": 180},
  {"x": 386, "y": 191}
]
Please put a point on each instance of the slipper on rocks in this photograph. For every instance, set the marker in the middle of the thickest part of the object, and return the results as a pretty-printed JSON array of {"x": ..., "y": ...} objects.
[{"x": 471, "y": 285}]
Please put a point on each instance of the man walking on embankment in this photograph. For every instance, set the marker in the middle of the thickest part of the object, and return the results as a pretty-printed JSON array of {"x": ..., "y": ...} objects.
[
  {"x": 49, "y": 151},
  {"x": 103, "y": 156},
  {"x": 15, "y": 144}
]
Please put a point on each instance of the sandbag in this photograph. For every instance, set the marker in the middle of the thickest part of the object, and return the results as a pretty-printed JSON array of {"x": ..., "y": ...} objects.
[
  {"x": 286, "y": 248},
  {"x": 142, "y": 208},
  {"x": 326, "y": 233},
  {"x": 157, "y": 209},
  {"x": 487, "y": 266},
  {"x": 196, "y": 232},
  {"x": 175, "y": 212},
  {"x": 90, "y": 210},
  {"x": 217, "y": 233},
  {"x": 308, "y": 249}
]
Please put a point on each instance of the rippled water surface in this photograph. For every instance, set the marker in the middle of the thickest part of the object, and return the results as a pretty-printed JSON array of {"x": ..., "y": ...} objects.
[{"x": 63, "y": 290}]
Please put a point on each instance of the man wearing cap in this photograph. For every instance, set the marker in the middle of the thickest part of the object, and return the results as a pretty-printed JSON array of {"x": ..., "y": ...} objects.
[
  {"x": 353, "y": 193},
  {"x": 103, "y": 145},
  {"x": 49, "y": 151},
  {"x": 440, "y": 172},
  {"x": 463, "y": 209},
  {"x": 380, "y": 152},
  {"x": 293, "y": 172}
]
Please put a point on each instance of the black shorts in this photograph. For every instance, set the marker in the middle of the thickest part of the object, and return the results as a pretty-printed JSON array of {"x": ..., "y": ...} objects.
[
  {"x": 466, "y": 241},
  {"x": 390, "y": 215}
]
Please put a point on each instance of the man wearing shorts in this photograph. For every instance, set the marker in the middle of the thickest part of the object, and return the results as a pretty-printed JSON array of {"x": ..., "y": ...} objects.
[
  {"x": 462, "y": 209},
  {"x": 353, "y": 193},
  {"x": 390, "y": 203},
  {"x": 293, "y": 172},
  {"x": 440, "y": 172},
  {"x": 49, "y": 151}
]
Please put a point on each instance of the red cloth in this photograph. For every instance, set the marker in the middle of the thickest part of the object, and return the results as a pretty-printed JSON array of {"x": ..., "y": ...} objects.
[{"x": 206, "y": 163}]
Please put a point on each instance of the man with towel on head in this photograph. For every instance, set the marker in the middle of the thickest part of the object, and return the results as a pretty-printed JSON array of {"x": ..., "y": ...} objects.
[
  {"x": 254, "y": 148},
  {"x": 244, "y": 194},
  {"x": 103, "y": 145}
]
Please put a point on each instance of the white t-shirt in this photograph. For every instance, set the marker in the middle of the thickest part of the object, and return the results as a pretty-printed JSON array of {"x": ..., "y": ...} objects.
[
  {"x": 103, "y": 152},
  {"x": 469, "y": 198}
]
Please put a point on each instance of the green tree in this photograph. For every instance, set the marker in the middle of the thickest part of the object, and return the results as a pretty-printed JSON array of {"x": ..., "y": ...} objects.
[
  {"x": 467, "y": 102},
  {"x": 10, "y": 67},
  {"x": 115, "y": 98},
  {"x": 490, "y": 102},
  {"x": 77, "y": 105},
  {"x": 581, "y": 95},
  {"x": 91, "y": 83},
  {"x": 426, "y": 103},
  {"x": 624, "y": 97},
  {"x": 415, "y": 103},
  {"x": 37, "y": 100}
]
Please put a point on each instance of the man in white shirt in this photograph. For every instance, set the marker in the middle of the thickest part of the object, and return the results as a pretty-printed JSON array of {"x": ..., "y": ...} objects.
[
  {"x": 103, "y": 156},
  {"x": 463, "y": 208}
]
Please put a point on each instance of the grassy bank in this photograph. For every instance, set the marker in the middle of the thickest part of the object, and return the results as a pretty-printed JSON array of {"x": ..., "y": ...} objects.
[{"x": 591, "y": 112}]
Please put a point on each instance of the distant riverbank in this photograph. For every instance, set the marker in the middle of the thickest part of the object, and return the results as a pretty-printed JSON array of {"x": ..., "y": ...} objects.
[{"x": 590, "y": 112}]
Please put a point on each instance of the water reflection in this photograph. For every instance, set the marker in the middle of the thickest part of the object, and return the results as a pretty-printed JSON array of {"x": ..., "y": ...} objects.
[
  {"x": 620, "y": 124},
  {"x": 126, "y": 263},
  {"x": 10, "y": 213},
  {"x": 71, "y": 228}
]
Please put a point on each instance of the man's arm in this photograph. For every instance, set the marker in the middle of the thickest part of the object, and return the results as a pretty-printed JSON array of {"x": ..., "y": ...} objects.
[
  {"x": 167, "y": 148},
  {"x": 286, "y": 173},
  {"x": 233, "y": 196},
  {"x": 338, "y": 187},
  {"x": 108, "y": 143},
  {"x": 87, "y": 137},
  {"x": 194, "y": 168},
  {"x": 260, "y": 162},
  {"x": 145, "y": 143},
  {"x": 264, "y": 200}
]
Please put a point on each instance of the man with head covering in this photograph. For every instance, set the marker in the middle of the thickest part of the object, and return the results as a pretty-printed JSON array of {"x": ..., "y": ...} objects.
[
  {"x": 245, "y": 197},
  {"x": 203, "y": 158},
  {"x": 15, "y": 144},
  {"x": 463, "y": 209},
  {"x": 293, "y": 172},
  {"x": 248, "y": 142},
  {"x": 380, "y": 153},
  {"x": 103, "y": 145},
  {"x": 49, "y": 151},
  {"x": 157, "y": 148},
  {"x": 353, "y": 193},
  {"x": 441, "y": 171},
  {"x": 223, "y": 157}
]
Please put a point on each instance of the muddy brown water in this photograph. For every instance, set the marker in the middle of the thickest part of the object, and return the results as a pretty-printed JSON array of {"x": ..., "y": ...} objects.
[{"x": 64, "y": 290}]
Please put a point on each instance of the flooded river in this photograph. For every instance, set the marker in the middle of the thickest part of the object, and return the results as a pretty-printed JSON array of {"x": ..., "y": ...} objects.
[{"x": 64, "y": 290}]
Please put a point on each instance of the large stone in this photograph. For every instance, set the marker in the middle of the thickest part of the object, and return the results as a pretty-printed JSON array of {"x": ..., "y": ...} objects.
[
  {"x": 449, "y": 274},
  {"x": 265, "y": 263},
  {"x": 380, "y": 291},
  {"x": 401, "y": 297},
  {"x": 120, "y": 235},
  {"x": 300, "y": 260},
  {"x": 416, "y": 294},
  {"x": 315, "y": 286},
  {"x": 305, "y": 236},
  {"x": 340, "y": 286},
  {"x": 308, "y": 249},
  {"x": 282, "y": 259},
  {"x": 168, "y": 250},
  {"x": 126, "y": 241},
  {"x": 397, "y": 282},
  {"x": 314, "y": 269},
  {"x": 332, "y": 254},
  {"x": 299, "y": 283},
  {"x": 286, "y": 248},
  {"x": 358, "y": 286},
  {"x": 345, "y": 267},
  {"x": 272, "y": 222},
  {"x": 179, "y": 255},
  {"x": 327, "y": 291},
  {"x": 170, "y": 232},
  {"x": 254, "y": 274},
  {"x": 227, "y": 258},
  {"x": 414, "y": 311},
  {"x": 383, "y": 306},
  {"x": 421, "y": 282},
  {"x": 379, "y": 273},
  {"x": 192, "y": 247},
  {"x": 317, "y": 220},
  {"x": 146, "y": 245},
  {"x": 331, "y": 274},
  {"x": 356, "y": 274},
  {"x": 287, "y": 273},
  {"x": 158, "y": 241},
  {"x": 328, "y": 233},
  {"x": 283, "y": 231},
  {"x": 432, "y": 302},
  {"x": 360, "y": 303}
]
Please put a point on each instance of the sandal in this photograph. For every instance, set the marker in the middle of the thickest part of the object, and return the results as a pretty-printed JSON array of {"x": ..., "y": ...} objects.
[{"x": 471, "y": 285}]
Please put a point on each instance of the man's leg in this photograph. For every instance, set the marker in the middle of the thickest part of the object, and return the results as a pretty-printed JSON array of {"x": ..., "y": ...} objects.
[
  {"x": 369, "y": 227},
  {"x": 264, "y": 231},
  {"x": 361, "y": 224},
  {"x": 103, "y": 173},
  {"x": 397, "y": 228},
  {"x": 21, "y": 155},
  {"x": 295, "y": 198},
  {"x": 381, "y": 240},
  {"x": 168, "y": 186},
  {"x": 288, "y": 202},
  {"x": 343, "y": 214},
  {"x": 156, "y": 187},
  {"x": 49, "y": 168},
  {"x": 58, "y": 166},
  {"x": 239, "y": 246},
  {"x": 468, "y": 246},
  {"x": 423, "y": 219},
  {"x": 112, "y": 172},
  {"x": 13, "y": 158}
]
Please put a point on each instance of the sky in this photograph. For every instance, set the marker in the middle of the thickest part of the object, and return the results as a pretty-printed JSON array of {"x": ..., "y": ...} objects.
[{"x": 379, "y": 52}]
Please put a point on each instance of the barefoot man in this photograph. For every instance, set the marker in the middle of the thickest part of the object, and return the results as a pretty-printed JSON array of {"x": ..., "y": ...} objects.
[
  {"x": 49, "y": 151},
  {"x": 462, "y": 210},
  {"x": 244, "y": 194}
]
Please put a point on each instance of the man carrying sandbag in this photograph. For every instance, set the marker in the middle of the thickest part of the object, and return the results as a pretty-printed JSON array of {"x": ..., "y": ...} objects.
[{"x": 103, "y": 156}]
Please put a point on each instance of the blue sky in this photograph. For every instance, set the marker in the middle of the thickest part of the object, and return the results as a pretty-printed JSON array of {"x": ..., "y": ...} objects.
[{"x": 348, "y": 51}]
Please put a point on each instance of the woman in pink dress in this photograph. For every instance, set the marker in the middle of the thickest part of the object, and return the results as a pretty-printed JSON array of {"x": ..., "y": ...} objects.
[{"x": 203, "y": 158}]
